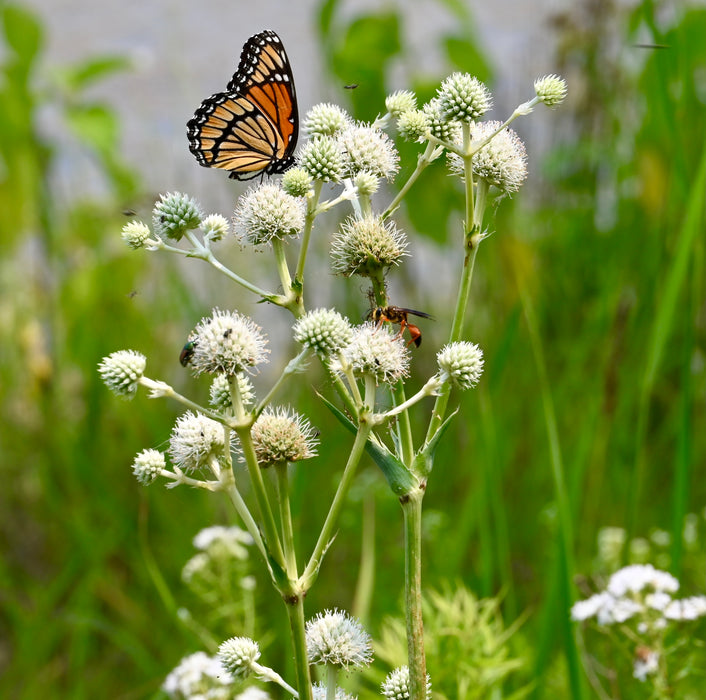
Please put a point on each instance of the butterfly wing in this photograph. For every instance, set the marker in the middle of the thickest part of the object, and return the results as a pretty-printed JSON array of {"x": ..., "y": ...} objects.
[{"x": 252, "y": 127}]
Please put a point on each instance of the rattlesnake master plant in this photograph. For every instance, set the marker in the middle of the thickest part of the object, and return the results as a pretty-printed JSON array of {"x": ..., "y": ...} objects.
[{"x": 367, "y": 365}]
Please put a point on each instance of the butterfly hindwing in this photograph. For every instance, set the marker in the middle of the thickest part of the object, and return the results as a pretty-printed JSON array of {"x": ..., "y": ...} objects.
[{"x": 252, "y": 127}]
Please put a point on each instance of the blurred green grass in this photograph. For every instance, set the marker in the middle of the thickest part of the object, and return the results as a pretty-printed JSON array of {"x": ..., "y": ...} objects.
[{"x": 608, "y": 244}]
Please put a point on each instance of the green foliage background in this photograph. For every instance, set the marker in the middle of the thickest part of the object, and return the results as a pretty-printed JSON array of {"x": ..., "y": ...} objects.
[{"x": 588, "y": 303}]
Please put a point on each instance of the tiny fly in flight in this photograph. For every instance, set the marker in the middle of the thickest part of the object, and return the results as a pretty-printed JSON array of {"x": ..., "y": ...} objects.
[{"x": 398, "y": 314}]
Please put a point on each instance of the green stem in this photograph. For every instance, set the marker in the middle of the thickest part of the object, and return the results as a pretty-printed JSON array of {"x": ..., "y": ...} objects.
[
  {"x": 269, "y": 527},
  {"x": 412, "y": 511},
  {"x": 326, "y": 534},
  {"x": 285, "y": 516},
  {"x": 422, "y": 162},
  {"x": 295, "y": 613},
  {"x": 311, "y": 212},
  {"x": 295, "y": 365},
  {"x": 464, "y": 289},
  {"x": 242, "y": 510},
  {"x": 331, "y": 682}
]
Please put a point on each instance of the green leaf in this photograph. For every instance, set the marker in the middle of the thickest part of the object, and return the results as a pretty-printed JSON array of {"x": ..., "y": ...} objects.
[
  {"x": 400, "y": 479},
  {"x": 465, "y": 56},
  {"x": 83, "y": 75},
  {"x": 362, "y": 58},
  {"x": 23, "y": 33},
  {"x": 424, "y": 459},
  {"x": 94, "y": 125}
]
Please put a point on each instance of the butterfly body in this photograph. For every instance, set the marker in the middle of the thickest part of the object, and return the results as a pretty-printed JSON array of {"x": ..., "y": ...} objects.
[{"x": 251, "y": 128}]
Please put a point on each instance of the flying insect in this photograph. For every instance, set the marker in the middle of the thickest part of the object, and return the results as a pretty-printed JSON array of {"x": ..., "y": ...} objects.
[{"x": 398, "y": 314}]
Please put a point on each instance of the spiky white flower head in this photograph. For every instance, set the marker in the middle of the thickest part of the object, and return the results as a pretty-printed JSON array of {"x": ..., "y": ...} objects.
[
  {"x": 199, "y": 675},
  {"x": 319, "y": 692},
  {"x": 646, "y": 663},
  {"x": 551, "y": 89},
  {"x": 325, "y": 120},
  {"x": 148, "y": 466},
  {"x": 334, "y": 637},
  {"x": 215, "y": 227},
  {"x": 135, "y": 234},
  {"x": 282, "y": 435},
  {"x": 366, "y": 148},
  {"x": 219, "y": 393},
  {"x": 238, "y": 654},
  {"x": 376, "y": 352},
  {"x": 325, "y": 331},
  {"x": 502, "y": 162},
  {"x": 174, "y": 214},
  {"x": 366, "y": 183},
  {"x": 297, "y": 182},
  {"x": 396, "y": 685},
  {"x": 322, "y": 158},
  {"x": 439, "y": 125},
  {"x": 232, "y": 538},
  {"x": 463, "y": 97},
  {"x": 195, "y": 441},
  {"x": 400, "y": 101},
  {"x": 414, "y": 125},
  {"x": 461, "y": 363},
  {"x": 228, "y": 343},
  {"x": 367, "y": 246},
  {"x": 121, "y": 372},
  {"x": 637, "y": 577},
  {"x": 266, "y": 212}
]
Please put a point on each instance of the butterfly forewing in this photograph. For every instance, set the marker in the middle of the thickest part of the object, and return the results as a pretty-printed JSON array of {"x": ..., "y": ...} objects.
[{"x": 251, "y": 128}]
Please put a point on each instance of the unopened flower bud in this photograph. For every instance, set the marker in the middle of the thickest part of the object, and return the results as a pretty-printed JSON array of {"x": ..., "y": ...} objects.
[{"x": 121, "y": 372}]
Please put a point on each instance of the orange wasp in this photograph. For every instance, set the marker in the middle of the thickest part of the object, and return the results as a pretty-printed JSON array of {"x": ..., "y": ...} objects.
[{"x": 397, "y": 314}]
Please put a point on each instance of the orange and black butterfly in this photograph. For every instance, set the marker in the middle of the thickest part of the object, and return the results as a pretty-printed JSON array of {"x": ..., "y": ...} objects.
[{"x": 251, "y": 128}]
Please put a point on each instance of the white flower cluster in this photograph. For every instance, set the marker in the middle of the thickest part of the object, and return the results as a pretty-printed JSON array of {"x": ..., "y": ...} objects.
[
  {"x": 643, "y": 593},
  {"x": 199, "y": 674}
]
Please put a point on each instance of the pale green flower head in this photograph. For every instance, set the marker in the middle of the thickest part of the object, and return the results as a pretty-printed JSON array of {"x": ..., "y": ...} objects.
[
  {"x": 266, "y": 212},
  {"x": 325, "y": 331},
  {"x": 148, "y": 465},
  {"x": 219, "y": 393},
  {"x": 337, "y": 639},
  {"x": 396, "y": 685},
  {"x": 461, "y": 364},
  {"x": 215, "y": 227},
  {"x": 121, "y": 372},
  {"x": 415, "y": 125},
  {"x": 551, "y": 89},
  {"x": 366, "y": 183},
  {"x": 195, "y": 441},
  {"x": 238, "y": 655},
  {"x": 369, "y": 149},
  {"x": 297, "y": 182},
  {"x": 325, "y": 120},
  {"x": 175, "y": 214},
  {"x": 463, "y": 97},
  {"x": 228, "y": 343},
  {"x": 400, "y": 101},
  {"x": 439, "y": 126},
  {"x": 322, "y": 158},
  {"x": 377, "y": 353},
  {"x": 367, "y": 246},
  {"x": 135, "y": 234},
  {"x": 281, "y": 435}
]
